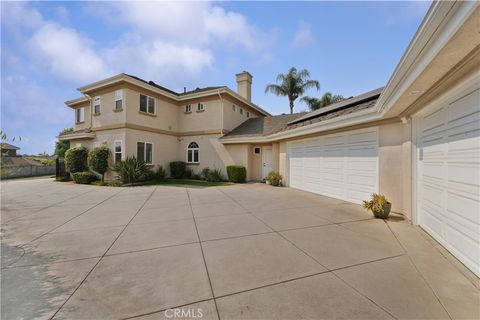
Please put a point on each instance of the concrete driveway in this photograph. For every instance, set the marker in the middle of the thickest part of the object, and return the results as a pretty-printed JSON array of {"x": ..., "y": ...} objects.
[{"x": 236, "y": 252}]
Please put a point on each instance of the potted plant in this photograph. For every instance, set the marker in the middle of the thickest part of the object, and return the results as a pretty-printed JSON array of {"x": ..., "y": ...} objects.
[
  {"x": 379, "y": 205},
  {"x": 274, "y": 178}
]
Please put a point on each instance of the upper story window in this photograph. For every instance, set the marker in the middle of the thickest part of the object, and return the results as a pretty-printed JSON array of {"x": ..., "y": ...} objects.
[
  {"x": 117, "y": 150},
  {"x": 192, "y": 152},
  {"x": 145, "y": 152},
  {"x": 188, "y": 108},
  {"x": 241, "y": 111},
  {"x": 80, "y": 115},
  {"x": 200, "y": 106},
  {"x": 248, "y": 114},
  {"x": 119, "y": 100},
  {"x": 147, "y": 104},
  {"x": 96, "y": 105},
  {"x": 234, "y": 108}
]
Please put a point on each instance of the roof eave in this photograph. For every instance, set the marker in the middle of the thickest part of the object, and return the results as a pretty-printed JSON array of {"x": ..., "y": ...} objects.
[{"x": 440, "y": 24}]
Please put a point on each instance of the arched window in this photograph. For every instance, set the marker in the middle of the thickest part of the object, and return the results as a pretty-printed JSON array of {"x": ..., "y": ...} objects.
[{"x": 192, "y": 152}]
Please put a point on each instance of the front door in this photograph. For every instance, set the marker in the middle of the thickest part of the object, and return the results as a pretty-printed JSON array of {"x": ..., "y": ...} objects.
[{"x": 267, "y": 161}]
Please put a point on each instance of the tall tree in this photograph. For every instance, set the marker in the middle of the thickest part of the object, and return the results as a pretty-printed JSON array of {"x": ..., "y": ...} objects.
[
  {"x": 325, "y": 100},
  {"x": 62, "y": 145},
  {"x": 292, "y": 84}
]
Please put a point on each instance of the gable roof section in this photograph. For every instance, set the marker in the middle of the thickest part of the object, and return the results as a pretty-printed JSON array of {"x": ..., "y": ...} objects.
[
  {"x": 8, "y": 146},
  {"x": 262, "y": 126},
  {"x": 198, "y": 92}
]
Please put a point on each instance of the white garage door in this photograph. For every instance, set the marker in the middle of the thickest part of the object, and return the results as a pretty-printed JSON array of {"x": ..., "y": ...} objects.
[
  {"x": 343, "y": 166},
  {"x": 448, "y": 175}
]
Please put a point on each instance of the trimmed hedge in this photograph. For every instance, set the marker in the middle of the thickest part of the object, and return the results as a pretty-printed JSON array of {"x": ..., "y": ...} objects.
[
  {"x": 84, "y": 177},
  {"x": 178, "y": 169},
  {"x": 76, "y": 159},
  {"x": 236, "y": 173}
]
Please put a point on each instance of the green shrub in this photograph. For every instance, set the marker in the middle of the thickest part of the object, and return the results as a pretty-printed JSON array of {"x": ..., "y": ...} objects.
[
  {"x": 84, "y": 177},
  {"x": 98, "y": 160},
  {"x": 205, "y": 173},
  {"x": 274, "y": 178},
  {"x": 237, "y": 173},
  {"x": 196, "y": 176},
  {"x": 76, "y": 159},
  {"x": 160, "y": 173},
  {"x": 188, "y": 173},
  {"x": 177, "y": 169},
  {"x": 216, "y": 175},
  {"x": 131, "y": 170}
]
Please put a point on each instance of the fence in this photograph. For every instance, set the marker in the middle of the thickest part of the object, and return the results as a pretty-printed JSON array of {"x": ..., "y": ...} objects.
[{"x": 13, "y": 171}]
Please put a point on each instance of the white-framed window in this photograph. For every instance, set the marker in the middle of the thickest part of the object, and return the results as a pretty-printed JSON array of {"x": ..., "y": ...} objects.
[
  {"x": 241, "y": 111},
  {"x": 96, "y": 105},
  {"x": 200, "y": 106},
  {"x": 147, "y": 104},
  {"x": 119, "y": 100},
  {"x": 145, "y": 152},
  {"x": 234, "y": 108},
  {"x": 188, "y": 108},
  {"x": 257, "y": 150},
  {"x": 248, "y": 114},
  {"x": 117, "y": 151},
  {"x": 80, "y": 115},
  {"x": 193, "y": 152}
]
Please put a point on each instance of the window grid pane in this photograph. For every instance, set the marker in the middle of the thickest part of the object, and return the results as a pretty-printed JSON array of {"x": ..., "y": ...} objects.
[
  {"x": 141, "y": 151},
  {"x": 189, "y": 156},
  {"x": 118, "y": 104},
  {"x": 195, "y": 155},
  {"x": 148, "y": 153},
  {"x": 151, "y": 105},
  {"x": 143, "y": 103}
]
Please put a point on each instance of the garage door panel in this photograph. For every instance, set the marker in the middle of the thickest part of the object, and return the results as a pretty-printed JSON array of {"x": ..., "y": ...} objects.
[
  {"x": 464, "y": 207},
  {"x": 433, "y": 170},
  {"x": 361, "y": 180},
  {"x": 369, "y": 137},
  {"x": 466, "y": 107},
  {"x": 358, "y": 195},
  {"x": 464, "y": 173},
  {"x": 333, "y": 141},
  {"x": 465, "y": 246}
]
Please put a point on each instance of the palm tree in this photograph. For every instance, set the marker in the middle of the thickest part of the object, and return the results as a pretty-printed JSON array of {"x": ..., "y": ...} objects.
[
  {"x": 293, "y": 84},
  {"x": 327, "y": 99}
]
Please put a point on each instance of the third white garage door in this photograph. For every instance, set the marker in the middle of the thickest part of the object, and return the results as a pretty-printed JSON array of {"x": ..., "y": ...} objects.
[
  {"x": 343, "y": 166},
  {"x": 448, "y": 173}
]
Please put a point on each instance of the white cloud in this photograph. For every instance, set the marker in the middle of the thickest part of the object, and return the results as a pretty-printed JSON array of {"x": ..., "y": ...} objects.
[
  {"x": 303, "y": 37},
  {"x": 67, "y": 54}
]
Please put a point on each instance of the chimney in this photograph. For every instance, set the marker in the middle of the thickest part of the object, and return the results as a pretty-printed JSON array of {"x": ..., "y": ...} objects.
[{"x": 244, "y": 85}]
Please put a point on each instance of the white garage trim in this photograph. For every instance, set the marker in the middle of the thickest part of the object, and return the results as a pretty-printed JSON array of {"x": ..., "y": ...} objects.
[
  {"x": 446, "y": 171},
  {"x": 353, "y": 153}
]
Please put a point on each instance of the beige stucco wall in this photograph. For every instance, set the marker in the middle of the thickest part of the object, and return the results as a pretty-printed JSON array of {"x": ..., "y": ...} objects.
[
  {"x": 394, "y": 165},
  {"x": 209, "y": 119},
  {"x": 232, "y": 119},
  {"x": 164, "y": 146},
  {"x": 166, "y": 111},
  {"x": 86, "y": 123}
]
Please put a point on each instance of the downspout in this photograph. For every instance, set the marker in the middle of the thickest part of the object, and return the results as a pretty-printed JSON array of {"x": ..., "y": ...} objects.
[
  {"x": 91, "y": 111},
  {"x": 223, "y": 110}
]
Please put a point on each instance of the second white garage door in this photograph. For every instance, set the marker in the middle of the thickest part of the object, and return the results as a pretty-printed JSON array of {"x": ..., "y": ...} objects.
[{"x": 343, "y": 166}]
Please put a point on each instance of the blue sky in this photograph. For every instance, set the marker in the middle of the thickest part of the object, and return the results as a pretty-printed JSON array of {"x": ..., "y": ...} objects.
[{"x": 51, "y": 48}]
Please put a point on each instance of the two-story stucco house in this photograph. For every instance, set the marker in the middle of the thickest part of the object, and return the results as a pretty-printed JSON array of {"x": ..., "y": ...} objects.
[
  {"x": 157, "y": 125},
  {"x": 416, "y": 140}
]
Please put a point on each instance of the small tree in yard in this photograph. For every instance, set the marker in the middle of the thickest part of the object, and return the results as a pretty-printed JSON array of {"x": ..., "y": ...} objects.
[
  {"x": 61, "y": 146},
  {"x": 76, "y": 159},
  {"x": 98, "y": 160}
]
